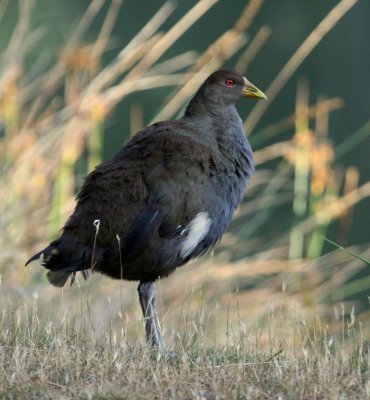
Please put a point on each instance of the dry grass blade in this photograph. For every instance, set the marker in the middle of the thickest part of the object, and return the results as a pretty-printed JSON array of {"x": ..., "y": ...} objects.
[
  {"x": 106, "y": 29},
  {"x": 170, "y": 37},
  {"x": 84, "y": 23},
  {"x": 3, "y": 7},
  {"x": 275, "y": 128},
  {"x": 156, "y": 49},
  {"x": 19, "y": 33},
  {"x": 334, "y": 208},
  {"x": 175, "y": 64},
  {"x": 364, "y": 260},
  {"x": 150, "y": 28},
  {"x": 134, "y": 50},
  {"x": 211, "y": 59},
  {"x": 252, "y": 50},
  {"x": 273, "y": 151},
  {"x": 296, "y": 60}
]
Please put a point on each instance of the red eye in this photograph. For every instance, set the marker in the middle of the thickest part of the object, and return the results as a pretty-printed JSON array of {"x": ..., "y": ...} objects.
[{"x": 230, "y": 82}]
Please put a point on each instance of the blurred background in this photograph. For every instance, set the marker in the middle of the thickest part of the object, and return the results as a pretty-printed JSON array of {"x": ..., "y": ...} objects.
[{"x": 78, "y": 78}]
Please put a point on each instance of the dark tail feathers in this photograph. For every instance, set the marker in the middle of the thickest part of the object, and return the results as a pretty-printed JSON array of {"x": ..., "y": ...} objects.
[{"x": 63, "y": 258}]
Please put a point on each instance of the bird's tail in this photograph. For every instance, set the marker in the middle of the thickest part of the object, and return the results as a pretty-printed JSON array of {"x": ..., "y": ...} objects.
[{"x": 63, "y": 258}]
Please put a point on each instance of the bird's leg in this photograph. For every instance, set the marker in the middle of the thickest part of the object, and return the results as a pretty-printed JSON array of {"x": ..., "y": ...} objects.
[{"x": 147, "y": 295}]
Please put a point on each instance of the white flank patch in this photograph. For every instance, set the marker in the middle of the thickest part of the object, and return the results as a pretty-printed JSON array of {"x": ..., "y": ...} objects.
[{"x": 198, "y": 229}]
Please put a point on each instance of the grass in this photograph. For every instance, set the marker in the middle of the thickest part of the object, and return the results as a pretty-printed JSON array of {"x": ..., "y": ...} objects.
[
  {"x": 87, "y": 341},
  {"x": 269, "y": 316},
  {"x": 67, "y": 357}
]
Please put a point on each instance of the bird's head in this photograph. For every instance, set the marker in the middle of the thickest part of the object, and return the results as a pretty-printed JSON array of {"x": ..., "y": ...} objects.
[{"x": 227, "y": 87}]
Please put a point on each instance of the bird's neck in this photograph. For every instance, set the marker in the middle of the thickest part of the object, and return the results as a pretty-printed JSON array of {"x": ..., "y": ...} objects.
[
  {"x": 211, "y": 115},
  {"x": 213, "y": 118},
  {"x": 201, "y": 107},
  {"x": 220, "y": 125}
]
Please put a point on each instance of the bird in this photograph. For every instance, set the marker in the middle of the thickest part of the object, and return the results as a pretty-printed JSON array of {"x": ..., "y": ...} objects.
[{"x": 165, "y": 198}]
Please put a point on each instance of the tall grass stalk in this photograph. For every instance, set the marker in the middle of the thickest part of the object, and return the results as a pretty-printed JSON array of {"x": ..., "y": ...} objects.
[{"x": 301, "y": 171}]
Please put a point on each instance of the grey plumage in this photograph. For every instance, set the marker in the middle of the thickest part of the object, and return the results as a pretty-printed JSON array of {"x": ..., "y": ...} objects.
[{"x": 168, "y": 195}]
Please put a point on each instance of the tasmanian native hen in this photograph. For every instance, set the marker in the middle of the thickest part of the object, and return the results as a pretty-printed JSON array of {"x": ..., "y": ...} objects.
[{"x": 165, "y": 198}]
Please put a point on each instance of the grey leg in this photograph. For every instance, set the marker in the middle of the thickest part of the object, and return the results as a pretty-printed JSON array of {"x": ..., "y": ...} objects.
[{"x": 147, "y": 295}]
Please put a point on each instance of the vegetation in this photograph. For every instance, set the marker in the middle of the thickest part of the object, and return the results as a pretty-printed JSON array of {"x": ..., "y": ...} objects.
[
  {"x": 69, "y": 358},
  {"x": 269, "y": 315}
]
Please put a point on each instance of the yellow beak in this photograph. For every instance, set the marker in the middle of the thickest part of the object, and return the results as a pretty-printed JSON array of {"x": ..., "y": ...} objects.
[{"x": 252, "y": 91}]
